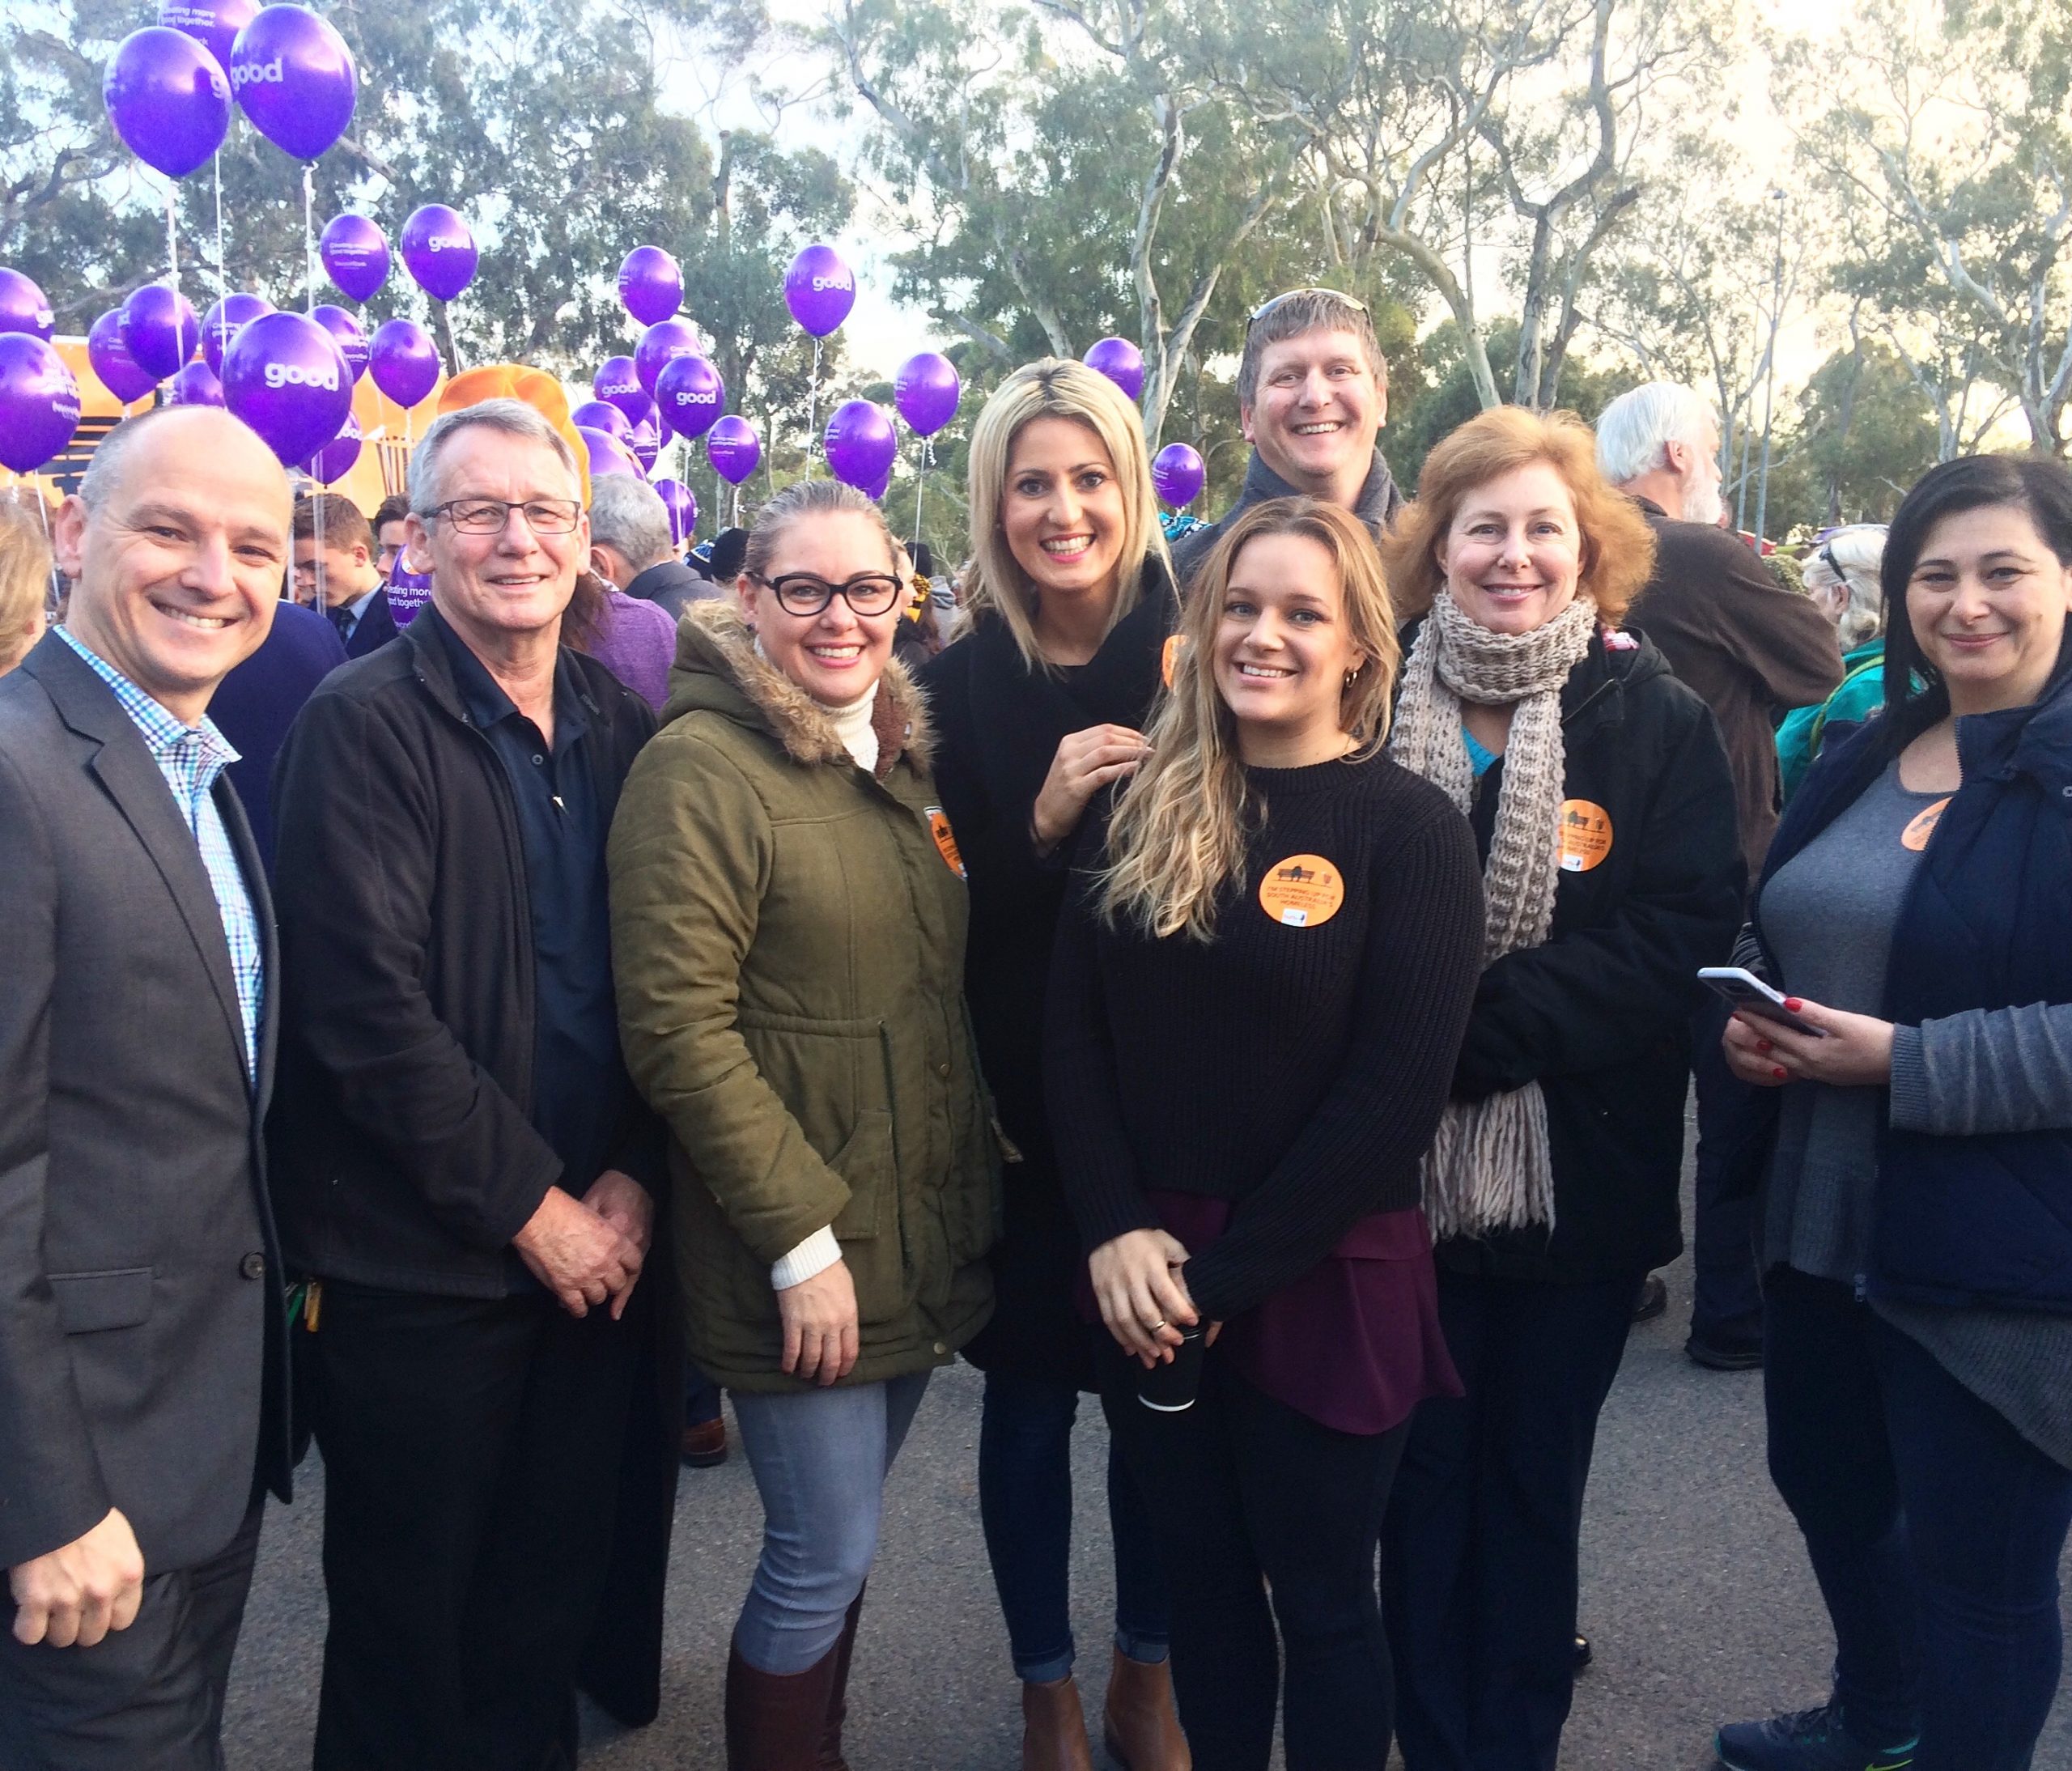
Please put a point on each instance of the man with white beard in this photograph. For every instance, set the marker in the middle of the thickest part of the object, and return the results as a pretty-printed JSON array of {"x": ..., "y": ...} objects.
[{"x": 1752, "y": 650}]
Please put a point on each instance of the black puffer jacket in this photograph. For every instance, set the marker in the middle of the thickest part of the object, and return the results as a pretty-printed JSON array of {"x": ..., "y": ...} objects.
[{"x": 1599, "y": 1013}]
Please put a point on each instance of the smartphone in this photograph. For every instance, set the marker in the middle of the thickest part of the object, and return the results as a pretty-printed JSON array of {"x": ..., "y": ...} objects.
[{"x": 1745, "y": 990}]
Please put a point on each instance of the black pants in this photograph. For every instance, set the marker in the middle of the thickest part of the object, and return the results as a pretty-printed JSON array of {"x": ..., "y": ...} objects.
[
  {"x": 1733, "y": 1147},
  {"x": 1246, "y": 1493},
  {"x": 471, "y": 1459},
  {"x": 147, "y": 1698},
  {"x": 1478, "y": 1560}
]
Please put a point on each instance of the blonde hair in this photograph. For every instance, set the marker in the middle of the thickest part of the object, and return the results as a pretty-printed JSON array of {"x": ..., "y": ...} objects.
[
  {"x": 1182, "y": 822},
  {"x": 802, "y": 501},
  {"x": 1053, "y": 388},
  {"x": 24, "y": 580},
  {"x": 1618, "y": 546}
]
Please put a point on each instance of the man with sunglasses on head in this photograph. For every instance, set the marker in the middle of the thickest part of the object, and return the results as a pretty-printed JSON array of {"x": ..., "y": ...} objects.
[
  {"x": 1313, "y": 394},
  {"x": 466, "y": 1177}
]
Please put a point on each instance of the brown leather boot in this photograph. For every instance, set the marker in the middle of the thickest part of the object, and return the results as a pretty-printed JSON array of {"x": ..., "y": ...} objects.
[
  {"x": 774, "y": 1721},
  {"x": 830, "y": 1757},
  {"x": 1054, "y": 1728},
  {"x": 1139, "y": 1727}
]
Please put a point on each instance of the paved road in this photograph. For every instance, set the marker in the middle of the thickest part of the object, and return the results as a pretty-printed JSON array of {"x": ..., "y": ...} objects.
[{"x": 1695, "y": 1588}]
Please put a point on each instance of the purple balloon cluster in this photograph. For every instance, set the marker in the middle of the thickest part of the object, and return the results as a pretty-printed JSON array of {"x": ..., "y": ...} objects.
[
  {"x": 926, "y": 390},
  {"x": 861, "y": 444},
  {"x": 286, "y": 377},
  {"x": 403, "y": 361},
  {"x": 650, "y": 285},
  {"x": 39, "y": 401},
  {"x": 1121, "y": 361},
  {"x": 733, "y": 448},
  {"x": 819, "y": 290},
  {"x": 681, "y": 503},
  {"x": 438, "y": 251},
  {"x": 355, "y": 255},
  {"x": 1178, "y": 474},
  {"x": 691, "y": 396},
  {"x": 23, "y": 308}
]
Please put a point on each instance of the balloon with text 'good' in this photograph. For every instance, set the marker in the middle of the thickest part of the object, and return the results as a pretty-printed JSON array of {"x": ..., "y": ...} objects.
[
  {"x": 733, "y": 448},
  {"x": 1178, "y": 473},
  {"x": 335, "y": 460},
  {"x": 644, "y": 443},
  {"x": 607, "y": 454},
  {"x": 861, "y": 443},
  {"x": 355, "y": 255},
  {"x": 197, "y": 384},
  {"x": 819, "y": 290},
  {"x": 617, "y": 383},
  {"x": 119, "y": 372},
  {"x": 220, "y": 324},
  {"x": 691, "y": 395},
  {"x": 661, "y": 345},
  {"x": 294, "y": 77},
  {"x": 602, "y": 415},
  {"x": 284, "y": 377},
  {"x": 1121, "y": 361},
  {"x": 161, "y": 329},
  {"x": 926, "y": 390},
  {"x": 39, "y": 401},
  {"x": 404, "y": 361},
  {"x": 213, "y": 24},
  {"x": 167, "y": 99},
  {"x": 346, "y": 334},
  {"x": 23, "y": 308},
  {"x": 650, "y": 285},
  {"x": 438, "y": 251},
  {"x": 681, "y": 503}
]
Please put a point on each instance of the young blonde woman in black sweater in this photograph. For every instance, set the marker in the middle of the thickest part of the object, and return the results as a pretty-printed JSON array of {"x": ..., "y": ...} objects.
[{"x": 1258, "y": 991}]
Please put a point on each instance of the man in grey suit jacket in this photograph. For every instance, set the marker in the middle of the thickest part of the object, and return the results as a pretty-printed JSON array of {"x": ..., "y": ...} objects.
[{"x": 142, "y": 1337}]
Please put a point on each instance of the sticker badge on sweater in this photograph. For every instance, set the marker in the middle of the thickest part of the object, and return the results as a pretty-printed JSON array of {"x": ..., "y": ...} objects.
[
  {"x": 1586, "y": 835},
  {"x": 1916, "y": 835},
  {"x": 1301, "y": 891},
  {"x": 945, "y": 840},
  {"x": 1169, "y": 657}
]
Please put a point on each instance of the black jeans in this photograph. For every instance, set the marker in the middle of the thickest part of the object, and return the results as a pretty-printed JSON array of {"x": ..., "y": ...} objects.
[
  {"x": 1934, "y": 1528},
  {"x": 472, "y": 1452},
  {"x": 1734, "y": 1146},
  {"x": 1246, "y": 1493},
  {"x": 1478, "y": 1562}
]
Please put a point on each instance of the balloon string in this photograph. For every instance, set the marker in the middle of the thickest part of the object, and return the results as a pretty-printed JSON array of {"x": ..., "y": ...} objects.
[
  {"x": 920, "y": 481},
  {"x": 316, "y": 515},
  {"x": 813, "y": 410},
  {"x": 222, "y": 282},
  {"x": 309, "y": 230},
  {"x": 171, "y": 241}
]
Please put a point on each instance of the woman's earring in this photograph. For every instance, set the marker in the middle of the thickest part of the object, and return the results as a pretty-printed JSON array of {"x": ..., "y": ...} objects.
[{"x": 1351, "y": 677}]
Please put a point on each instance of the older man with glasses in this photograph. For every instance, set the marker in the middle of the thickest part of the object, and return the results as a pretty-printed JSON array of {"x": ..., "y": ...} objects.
[{"x": 467, "y": 1177}]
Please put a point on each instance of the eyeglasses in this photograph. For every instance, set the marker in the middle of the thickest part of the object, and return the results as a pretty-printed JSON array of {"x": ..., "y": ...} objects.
[
  {"x": 1271, "y": 302},
  {"x": 487, "y": 516},
  {"x": 807, "y": 593}
]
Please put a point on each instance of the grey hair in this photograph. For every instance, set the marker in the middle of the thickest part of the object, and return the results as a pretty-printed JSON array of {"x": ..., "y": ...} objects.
[
  {"x": 105, "y": 466},
  {"x": 1634, "y": 432},
  {"x": 513, "y": 418},
  {"x": 627, "y": 515},
  {"x": 1850, "y": 558}
]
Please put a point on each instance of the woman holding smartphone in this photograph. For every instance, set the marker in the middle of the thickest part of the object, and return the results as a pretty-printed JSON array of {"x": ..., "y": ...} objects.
[
  {"x": 1917, "y": 1231},
  {"x": 1258, "y": 992}
]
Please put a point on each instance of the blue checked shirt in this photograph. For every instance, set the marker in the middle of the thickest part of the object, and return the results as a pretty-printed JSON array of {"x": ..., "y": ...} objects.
[{"x": 190, "y": 757}]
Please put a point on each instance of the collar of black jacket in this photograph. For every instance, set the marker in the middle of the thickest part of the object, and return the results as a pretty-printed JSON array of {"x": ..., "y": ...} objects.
[
  {"x": 1372, "y": 507},
  {"x": 433, "y": 643}
]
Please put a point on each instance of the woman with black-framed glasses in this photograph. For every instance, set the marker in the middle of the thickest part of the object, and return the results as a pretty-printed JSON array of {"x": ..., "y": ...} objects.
[{"x": 788, "y": 931}]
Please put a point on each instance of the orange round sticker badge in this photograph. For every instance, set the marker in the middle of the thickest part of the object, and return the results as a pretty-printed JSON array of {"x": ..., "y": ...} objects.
[
  {"x": 945, "y": 840},
  {"x": 1916, "y": 835},
  {"x": 1301, "y": 891},
  {"x": 1169, "y": 657},
  {"x": 1586, "y": 835}
]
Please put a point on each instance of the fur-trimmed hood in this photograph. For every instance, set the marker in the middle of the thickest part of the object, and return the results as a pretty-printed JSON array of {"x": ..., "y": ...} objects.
[{"x": 718, "y": 670}]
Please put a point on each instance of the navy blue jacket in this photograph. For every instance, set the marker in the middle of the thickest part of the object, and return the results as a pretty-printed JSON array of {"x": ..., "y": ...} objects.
[
  {"x": 377, "y": 626},
  {"x": 1983, "y": 1221}
]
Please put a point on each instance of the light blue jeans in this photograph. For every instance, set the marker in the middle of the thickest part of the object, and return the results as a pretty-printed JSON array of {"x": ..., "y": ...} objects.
[{"x": 820, "y": 1459}]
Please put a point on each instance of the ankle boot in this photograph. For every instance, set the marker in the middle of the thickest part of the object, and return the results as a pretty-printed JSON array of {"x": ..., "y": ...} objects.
[
  {"x": 1054, "y": 1728},
  {"x": 1139, "y": 1726},
  {"x": 830, "y": 1757},
  {"x": 774, "y": 1721}
]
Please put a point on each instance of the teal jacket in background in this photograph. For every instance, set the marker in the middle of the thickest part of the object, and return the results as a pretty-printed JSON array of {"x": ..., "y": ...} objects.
[{"x": 1862, "y": 690}]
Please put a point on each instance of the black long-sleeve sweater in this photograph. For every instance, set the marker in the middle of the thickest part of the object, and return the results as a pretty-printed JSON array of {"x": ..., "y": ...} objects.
[{"x": 1298, "y": 1070}]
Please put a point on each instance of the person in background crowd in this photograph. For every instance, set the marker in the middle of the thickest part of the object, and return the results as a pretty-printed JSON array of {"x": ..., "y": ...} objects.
[
  {"x": 1313, "y": 394},
  {"x": 788, "y": 922},
  {"x": 24, "y": 581},
  {"x": 143, "y": 1345},
  {"x": 335, "y": 571},
  {"x": 391, "y": 523},
  {"x": 918, "y": 638},
  {"x": 255, "y": 705},
  {"x": 729, "y": 548},
  {"x": 1841, "y": 578},
  {"x": 633, "y": 547},
  {"x": 1040, "y": 704},
  {"x": 1604, "y": 806},
  {"x": 1918, "y": 1220},
  {"x": 1281, "y": 916},
  {"x": 636, "y": 641},
  {"x": 1751, "y": 650},
  {"x": 466, "y": 1176}
]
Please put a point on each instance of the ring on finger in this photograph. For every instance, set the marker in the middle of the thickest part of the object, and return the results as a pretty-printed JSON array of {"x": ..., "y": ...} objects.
[{"x": 1156, "y": 1325}]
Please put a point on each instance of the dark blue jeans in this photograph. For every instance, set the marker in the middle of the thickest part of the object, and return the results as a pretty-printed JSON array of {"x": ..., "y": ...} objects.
[
  {"x": 1025, "y": 1504},
  {"x": 1733, "y": 1147},
  {"x": 1934, "y": 1528}
]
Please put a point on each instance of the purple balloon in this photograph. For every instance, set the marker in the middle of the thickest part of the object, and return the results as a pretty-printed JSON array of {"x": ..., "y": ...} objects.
[
  {"x": 23, "y": 308},
  {"x": 618, "y": 383},
  {"x": 293, "y": 75},
  {"x": 681, "y": 503},
  {"x": 167, "y": 99},
  {"x": 39, "y": 401},
  {"x": 1121, "y": 361},
  {"x": 650, "y": 285},
  {"x": 355, "y": 254},
  {"x": 213, "y": 24},
  {"x": 160, "y": 327},
  {"x": 346, "y": 334},
  {"x": 119, "y": 372},
  {"x": 861, "y": 443},
  {"x": 691, "y": 395},
  {"x": 408, "y": 593},
  {"x": 733, "y": 448},
  {"x": 926, "y": 390},
  {"x": 659, "y": 345},
  {"x": 219, "y": 325},
  {"x": 819, "y": 290},
  {"x": 608, "y": 455},
  {"x": 284, "y": 375},
  {"x": 404, "y": 361},
  {"x": 438, "y": 251},
  {"x": 334, "y": 460},
  {"x": 195, "y": 385},
  {"x": 1179, "y": 473},
  {"x": 645, "y": 443},
  {"x": 602, "y": 415},
  {"x": 878, "y": 487}
]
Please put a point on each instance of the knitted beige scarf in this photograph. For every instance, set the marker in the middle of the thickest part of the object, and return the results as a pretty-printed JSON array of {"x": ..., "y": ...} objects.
[{"x": 1488, "y": 1168}]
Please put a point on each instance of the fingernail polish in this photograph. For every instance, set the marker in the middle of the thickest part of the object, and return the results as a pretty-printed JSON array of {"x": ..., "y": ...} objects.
[
  {"x": 1778, "y": 1072},
  {"x": 1794, "y": 1003}
]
